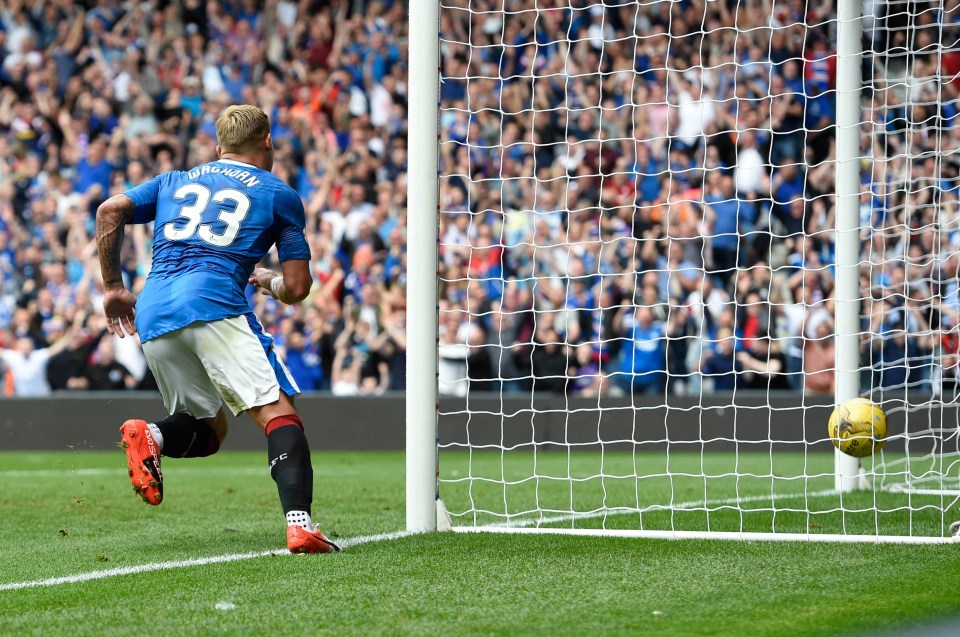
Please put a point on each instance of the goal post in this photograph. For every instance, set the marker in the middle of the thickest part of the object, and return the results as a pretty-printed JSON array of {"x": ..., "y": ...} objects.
[
  {"x": 422, "y": 212},
  {"x": 849, "y": 121},
  {"x": 650, "y": 245}
]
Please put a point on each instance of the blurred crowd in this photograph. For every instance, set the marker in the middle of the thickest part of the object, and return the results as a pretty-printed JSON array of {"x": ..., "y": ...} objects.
[
  {"x": 640, "y": 197},
  {"x": 635, "y": 197}
]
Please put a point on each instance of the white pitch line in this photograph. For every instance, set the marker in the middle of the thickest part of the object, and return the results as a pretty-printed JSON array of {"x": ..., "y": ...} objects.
[
  {"x": 201, "y": 561},
  {"x": 519, "y": 523}
]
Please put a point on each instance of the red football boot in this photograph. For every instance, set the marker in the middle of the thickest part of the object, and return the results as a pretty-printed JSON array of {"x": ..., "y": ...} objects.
[
  {"x": 143, "y": 460},
  {"x": 300, "y": 540}
]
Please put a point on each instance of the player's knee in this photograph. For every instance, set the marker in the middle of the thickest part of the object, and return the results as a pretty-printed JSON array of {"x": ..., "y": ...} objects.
[
  {"x": 218, "y": 424},
  {"x": 281, "y": 408},
  {"x": 206, "y": 442},
  {"x": 282, "y": 421},
  {"x": 213, "y": 443},
  {"x": 220, "y": 431}
]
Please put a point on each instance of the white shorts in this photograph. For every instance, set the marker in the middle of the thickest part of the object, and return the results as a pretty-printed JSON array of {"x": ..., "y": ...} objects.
[{"x": 231, "y": 359}]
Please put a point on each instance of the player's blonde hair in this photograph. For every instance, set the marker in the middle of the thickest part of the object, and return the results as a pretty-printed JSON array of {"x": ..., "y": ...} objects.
[{"x": 241, "y": 128}]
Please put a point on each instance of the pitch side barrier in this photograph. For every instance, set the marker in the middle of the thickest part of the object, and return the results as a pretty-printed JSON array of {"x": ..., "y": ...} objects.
[{"x": 89, "y": 420}]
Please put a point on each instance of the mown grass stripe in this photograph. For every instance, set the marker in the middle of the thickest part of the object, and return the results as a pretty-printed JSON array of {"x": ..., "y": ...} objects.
[
  {"x": 680, "y": 506},
  {"x": 236, "y": 557}
]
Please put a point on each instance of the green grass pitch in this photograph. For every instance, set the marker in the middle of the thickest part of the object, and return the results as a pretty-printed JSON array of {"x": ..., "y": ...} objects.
[
  {"x": 791, "y": 492},
  {"x": 73, "y": 513}
]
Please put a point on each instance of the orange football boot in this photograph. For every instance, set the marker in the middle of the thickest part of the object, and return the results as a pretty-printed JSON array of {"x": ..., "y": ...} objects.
[
  {"x": 300, "y": 540},
  {"x": 143, "y": 460}
]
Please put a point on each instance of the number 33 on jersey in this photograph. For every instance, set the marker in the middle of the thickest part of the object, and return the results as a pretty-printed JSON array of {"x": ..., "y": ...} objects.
[
  {"x": 212, "y": 225},
  {"x": 194, "y": 212}
]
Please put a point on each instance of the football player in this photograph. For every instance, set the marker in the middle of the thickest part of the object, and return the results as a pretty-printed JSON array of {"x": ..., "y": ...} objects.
[{"x": 212, "y": 225}]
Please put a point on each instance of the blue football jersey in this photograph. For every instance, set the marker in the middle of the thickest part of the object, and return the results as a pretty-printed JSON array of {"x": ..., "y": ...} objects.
[{"x": 212, "y": 225}]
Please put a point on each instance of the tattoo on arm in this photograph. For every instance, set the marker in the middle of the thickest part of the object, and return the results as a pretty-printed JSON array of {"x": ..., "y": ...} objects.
[{"x": 112, "y": 216}]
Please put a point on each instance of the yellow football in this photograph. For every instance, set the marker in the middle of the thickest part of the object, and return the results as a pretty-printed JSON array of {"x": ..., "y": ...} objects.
[{"x": 858, "y": 427}]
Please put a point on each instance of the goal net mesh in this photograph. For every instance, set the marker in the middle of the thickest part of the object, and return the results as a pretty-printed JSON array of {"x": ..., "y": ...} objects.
[{"x": 636, "y": 265}]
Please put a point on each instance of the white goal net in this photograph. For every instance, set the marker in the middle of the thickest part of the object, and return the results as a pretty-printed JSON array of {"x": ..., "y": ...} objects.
[{"x": 638, "y": 265}]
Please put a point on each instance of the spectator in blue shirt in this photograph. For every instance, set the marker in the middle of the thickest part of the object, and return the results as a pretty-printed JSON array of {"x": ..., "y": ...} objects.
[
  {"x": 191, "y": 100},
  {"x": 820, "y": 117},
  {"x": 380, "y": 57},
  {"x": 303, "y": 361},
  {"x": 792, "y": 79},
  {"x": 643, "y": 354},
  {"x": 731, "y": 219},
  {"x": 890, "y": 354},
  {"x": 788, "y": 184},
  {"x": 93, "y": 171},
  {"x": 720, "y": 363}
]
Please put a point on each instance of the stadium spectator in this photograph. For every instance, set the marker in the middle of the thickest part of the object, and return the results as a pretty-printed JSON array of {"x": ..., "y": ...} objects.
[
  {"x": 105, "y": 372},
  {"x": 729, "y": 219},
  {"x": 67, "y": 369},
  {"x": 819, "y": 367},
  {"x": 584, "y": 373},
  {"x": 302, "y": 360},
  {"x": 549, "y": 359},
  {"x": 453, "y": 351},
  {"x": 643, "y": 357},
  {"x": 27, "y": 365},
  {"x": 719, "y": 364},
  {"x": 506, "y": 344},
  {"x": 892, "y": 350},
  {"x": 764, "y": 367},
  {"x": 346, "y": 372}
]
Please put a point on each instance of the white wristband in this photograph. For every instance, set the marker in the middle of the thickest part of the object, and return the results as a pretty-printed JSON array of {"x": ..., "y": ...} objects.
[{"x": 275, "y": 285}]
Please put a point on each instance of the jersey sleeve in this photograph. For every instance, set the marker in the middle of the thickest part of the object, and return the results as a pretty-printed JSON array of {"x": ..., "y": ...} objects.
[
  {"x": 145, "y": 197},
  {"x": 291, "y": 226}
]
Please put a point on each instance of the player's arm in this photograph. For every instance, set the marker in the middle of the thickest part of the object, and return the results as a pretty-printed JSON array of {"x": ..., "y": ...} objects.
[
  {"x": 118, "y": 302},
  {"x": 292, "y": 286},
  {"x": 137, "y": 205}
]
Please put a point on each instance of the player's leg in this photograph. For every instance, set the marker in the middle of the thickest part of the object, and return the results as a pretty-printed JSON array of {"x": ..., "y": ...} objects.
[
  {"x": 242, "y": 362},
  {"x": 186, "y": 390},
  {"x": 181, "y": 435},
  {"x": 292, "y": 470}
]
